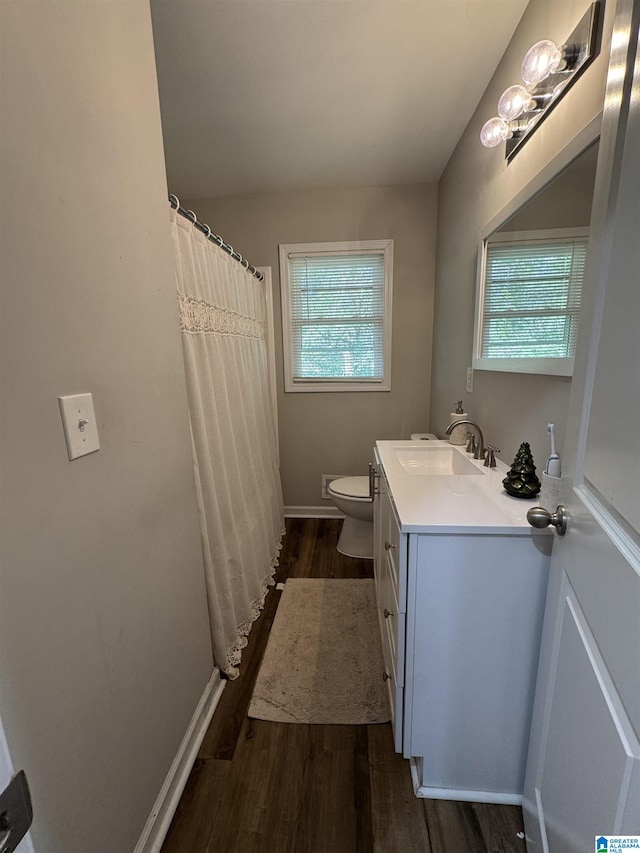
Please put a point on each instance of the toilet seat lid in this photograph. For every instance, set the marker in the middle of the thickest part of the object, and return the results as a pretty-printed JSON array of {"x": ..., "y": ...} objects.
[{"x": 351, "y": 487}]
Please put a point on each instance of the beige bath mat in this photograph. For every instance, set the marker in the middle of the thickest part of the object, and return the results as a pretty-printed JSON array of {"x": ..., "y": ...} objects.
[{"x": 323, "y": 662}]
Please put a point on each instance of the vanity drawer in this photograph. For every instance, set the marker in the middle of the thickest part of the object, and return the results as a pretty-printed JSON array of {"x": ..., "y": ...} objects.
[
  {"x": 396, "y": 631},
  {"x": 392, "y": 581},
  {"x": 395, "y": 546},
  {"x": 396, "y": 704},
  {"x": 391, "y": 632}
]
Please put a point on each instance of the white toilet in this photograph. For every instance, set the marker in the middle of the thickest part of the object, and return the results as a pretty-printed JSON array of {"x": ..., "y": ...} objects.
[{"x": 351, "y": 496}]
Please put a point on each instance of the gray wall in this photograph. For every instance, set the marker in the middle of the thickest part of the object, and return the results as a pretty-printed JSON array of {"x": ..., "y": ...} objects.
[
  {"x": 564, "y": 203},
  {"x": 476, "y": 185},
  {"x": 334, "y": 433},
  {"x": 104, "y": 647}
]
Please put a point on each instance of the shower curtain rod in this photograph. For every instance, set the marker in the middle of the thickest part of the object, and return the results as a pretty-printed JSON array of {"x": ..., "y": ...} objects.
[{"x": 174, "y": 201}]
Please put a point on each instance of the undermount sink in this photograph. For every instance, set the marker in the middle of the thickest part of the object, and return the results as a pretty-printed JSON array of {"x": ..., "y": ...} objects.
[{"x": 435, "y": 461}]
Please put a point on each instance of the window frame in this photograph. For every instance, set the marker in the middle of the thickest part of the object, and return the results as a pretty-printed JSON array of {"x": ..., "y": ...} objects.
[
  {"x": 533, "y": 364},
  {"x": 352, "y": 247}
]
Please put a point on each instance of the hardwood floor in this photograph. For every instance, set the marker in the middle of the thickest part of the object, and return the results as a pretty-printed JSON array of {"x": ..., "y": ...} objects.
[{"x": 261, "y": 787}]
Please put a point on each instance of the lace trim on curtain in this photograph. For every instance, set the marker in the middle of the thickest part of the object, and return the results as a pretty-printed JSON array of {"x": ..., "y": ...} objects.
[
  {"x": 234, "y": 653},
  {"x": 197, "y": 316}
]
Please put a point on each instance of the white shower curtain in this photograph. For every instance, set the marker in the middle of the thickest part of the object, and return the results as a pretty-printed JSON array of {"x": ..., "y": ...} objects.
[{"x": 222, "y": 318}]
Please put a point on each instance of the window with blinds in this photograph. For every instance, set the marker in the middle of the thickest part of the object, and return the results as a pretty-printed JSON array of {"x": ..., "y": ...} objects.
[
  {"x": 336, "y": 307},
  {"x": 531, "y": 297}
]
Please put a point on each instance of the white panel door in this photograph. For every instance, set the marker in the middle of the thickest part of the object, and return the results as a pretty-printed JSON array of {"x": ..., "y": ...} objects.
[{"x": 583, "y": 773}]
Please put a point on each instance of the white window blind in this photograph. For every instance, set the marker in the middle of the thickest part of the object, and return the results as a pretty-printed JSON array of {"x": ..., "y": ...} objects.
[
  {"x": 337, "y": 318},
  {"x": 532, "y": 298}
]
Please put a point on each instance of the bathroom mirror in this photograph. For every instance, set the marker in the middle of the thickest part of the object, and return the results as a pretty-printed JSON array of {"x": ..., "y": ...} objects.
[{"x": 530, "y": 271}]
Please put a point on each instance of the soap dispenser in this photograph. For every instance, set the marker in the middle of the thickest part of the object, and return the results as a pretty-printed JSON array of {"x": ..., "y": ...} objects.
[{"x": 459, "y": 433}]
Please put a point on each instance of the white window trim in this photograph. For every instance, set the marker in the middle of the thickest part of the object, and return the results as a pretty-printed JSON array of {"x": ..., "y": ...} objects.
[
  {"x": 347, "y": 247},
  {"x": 545, "y": 366}
]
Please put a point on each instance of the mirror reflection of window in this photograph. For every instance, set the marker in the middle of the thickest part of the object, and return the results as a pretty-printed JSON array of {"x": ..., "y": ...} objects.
[
  {"x": 533, "y": 293},
  {"x": 530, "y": 278}
]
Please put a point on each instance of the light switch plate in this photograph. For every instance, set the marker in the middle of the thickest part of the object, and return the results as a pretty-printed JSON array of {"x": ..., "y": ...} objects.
[
  {"x": 79, "y": 422},
  {"x": 469, "y": 380}
]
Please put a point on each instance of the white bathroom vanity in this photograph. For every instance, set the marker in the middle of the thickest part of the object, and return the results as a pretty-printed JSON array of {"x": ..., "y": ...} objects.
[{"x": 461, "y": 581}]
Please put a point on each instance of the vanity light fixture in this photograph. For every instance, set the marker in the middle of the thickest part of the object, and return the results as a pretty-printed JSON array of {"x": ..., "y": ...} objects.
[
  {"x": 548, "y": 70},
  {"x": 494, "y": 131},
  {"x": 541, "y": 60},
  {"x": 515, "y": 101}
]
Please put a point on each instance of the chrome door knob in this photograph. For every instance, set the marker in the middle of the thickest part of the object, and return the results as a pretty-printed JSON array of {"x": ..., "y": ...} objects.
[{"x": 540, "y": 517}]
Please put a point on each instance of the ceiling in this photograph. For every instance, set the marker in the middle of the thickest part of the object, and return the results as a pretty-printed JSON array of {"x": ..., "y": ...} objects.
[{"x": 276, "y": 95}]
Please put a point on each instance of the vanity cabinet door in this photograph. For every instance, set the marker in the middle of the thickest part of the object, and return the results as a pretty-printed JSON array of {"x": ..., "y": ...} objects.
[{"x": 473, "y": 634}]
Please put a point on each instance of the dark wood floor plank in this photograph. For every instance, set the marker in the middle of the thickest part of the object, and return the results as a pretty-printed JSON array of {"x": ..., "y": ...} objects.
[
  {"x": 324, "y": 564},
  {"x": 327, "y": 803},
  {"x": 299, "y": 552},
  {"x": 476, "y": 827},
  {"x": 399, "y": 823},
  {"x": 453, "y": 826},
  {"x": 193, "y": 821},
  {"x": 259, "y": 808},
  {"x": 362, "y": 792},
  {"x": 500, "y": 826},
  {"x": 291, "y": 789}
]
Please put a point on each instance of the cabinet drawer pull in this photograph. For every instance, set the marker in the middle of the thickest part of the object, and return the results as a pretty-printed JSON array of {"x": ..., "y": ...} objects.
[
  {"x": 387, "y": 613},
  {"x": 373, "y": 473},
  {"x": 385, "y": 676},
  {"x": 388, "y": 546}
]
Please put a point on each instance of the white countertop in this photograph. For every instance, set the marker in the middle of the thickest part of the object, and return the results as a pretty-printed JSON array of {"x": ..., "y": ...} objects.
[{"x": 454, "y": 503}]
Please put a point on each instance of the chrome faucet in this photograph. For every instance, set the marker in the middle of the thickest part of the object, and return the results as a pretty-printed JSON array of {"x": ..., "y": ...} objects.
[{"x": 479, "y": 452}]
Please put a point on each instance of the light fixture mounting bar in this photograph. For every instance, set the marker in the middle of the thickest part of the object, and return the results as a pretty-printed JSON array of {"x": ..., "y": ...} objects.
[{"x": 580, "y": 48}]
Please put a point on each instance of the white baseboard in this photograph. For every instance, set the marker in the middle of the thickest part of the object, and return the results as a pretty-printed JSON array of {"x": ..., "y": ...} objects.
[
  {"x": 428, "y": 793},
  {"x": 167, "y": 801},
  {"x": 312, "y": 512}
]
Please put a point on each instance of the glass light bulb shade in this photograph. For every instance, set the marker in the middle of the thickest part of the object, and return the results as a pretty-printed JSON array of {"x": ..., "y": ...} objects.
[
  {"x": 493, "y": 132},
  {"x": 513, "y": 102},
  {"x": 540, "y": 60}
]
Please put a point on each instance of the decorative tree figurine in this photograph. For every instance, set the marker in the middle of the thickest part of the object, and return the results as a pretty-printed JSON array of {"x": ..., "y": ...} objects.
[{"x": 521, "y": 481}]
